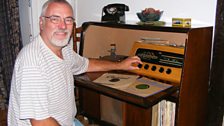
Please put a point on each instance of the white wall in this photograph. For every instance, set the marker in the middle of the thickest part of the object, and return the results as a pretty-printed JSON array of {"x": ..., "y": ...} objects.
[
  {"x": 200, "y": 11},
  {"x": 25, "y": 24}
]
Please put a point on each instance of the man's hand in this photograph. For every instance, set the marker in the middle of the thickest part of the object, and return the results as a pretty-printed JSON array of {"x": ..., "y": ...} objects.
[{"x": 131, "y": 63}]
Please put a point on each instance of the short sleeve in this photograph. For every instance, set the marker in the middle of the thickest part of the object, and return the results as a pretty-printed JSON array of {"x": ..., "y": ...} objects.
[
  {"x": 80, "y": 64},
  {"x": 33, "y": 93},
  {"x": 77, "y": 63}
]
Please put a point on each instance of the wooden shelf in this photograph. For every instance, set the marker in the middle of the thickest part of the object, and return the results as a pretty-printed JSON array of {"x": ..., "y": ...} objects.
[{"x": 145, "y": 102}]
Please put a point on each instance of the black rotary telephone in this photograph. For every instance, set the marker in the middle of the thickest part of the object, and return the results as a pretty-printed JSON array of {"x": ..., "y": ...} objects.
[{"x": 114, "y": 13}]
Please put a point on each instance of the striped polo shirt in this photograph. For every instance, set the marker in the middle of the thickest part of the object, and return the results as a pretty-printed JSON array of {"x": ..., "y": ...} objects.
[{"x": 42, "y": 85}]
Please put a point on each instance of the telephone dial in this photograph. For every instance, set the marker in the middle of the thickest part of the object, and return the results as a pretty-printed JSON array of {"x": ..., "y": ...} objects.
[{"x": 114, "y": 13}]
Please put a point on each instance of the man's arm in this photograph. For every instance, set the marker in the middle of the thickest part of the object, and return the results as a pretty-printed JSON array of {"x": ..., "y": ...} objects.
[
  {"x": 45, "y": 122},
  {"x": 102, "y": 65}
]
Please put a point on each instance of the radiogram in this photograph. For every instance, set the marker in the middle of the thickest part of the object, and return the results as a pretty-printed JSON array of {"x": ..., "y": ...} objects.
[{"x": 177, "y": 56}]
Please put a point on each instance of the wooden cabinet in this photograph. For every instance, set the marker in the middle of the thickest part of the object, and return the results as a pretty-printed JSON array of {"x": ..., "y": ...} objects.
[{"x": 190, "y": 95}]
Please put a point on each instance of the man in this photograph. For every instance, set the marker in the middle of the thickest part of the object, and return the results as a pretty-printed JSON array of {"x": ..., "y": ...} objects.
[{"x": 42, "y": 87}]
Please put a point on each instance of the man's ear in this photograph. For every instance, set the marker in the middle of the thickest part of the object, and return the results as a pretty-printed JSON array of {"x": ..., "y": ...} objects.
[{"x": 41, "y": 23}]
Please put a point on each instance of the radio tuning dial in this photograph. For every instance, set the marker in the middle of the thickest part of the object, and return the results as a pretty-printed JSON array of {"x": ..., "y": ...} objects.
[
  {"x": 168, "y": 71},
  {"x": 153, "y": 68},
  {"x": 161, "y": 69},
  {"x": 146, "y": 66},
  {"x": 139, "y": 65}
]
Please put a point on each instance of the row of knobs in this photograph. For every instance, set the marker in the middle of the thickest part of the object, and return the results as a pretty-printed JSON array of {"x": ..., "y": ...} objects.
[{"x": 154, "y": 68}]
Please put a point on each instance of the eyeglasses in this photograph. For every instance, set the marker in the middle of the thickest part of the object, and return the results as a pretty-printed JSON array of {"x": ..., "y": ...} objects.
[{"x": 57, "y": 19}]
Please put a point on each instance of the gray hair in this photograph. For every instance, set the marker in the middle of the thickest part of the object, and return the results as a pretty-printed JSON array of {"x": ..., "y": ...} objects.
[{"x": 45, "y": 6}]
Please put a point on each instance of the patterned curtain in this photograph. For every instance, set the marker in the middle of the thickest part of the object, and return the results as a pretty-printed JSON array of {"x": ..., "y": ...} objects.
[{"x": 10, "y": 44}]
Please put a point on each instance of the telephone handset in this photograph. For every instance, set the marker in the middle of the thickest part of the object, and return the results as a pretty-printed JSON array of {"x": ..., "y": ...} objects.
[
  {"x": 114, "y": 12},
  {"x": 115, "y": 9}
]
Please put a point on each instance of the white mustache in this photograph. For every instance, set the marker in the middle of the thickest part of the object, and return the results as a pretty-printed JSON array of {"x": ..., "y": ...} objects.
[{"x": 62, "y": 30}]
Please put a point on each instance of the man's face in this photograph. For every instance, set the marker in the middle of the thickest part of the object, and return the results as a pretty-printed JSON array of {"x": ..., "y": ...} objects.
[{"x": 55, "y": 28}]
